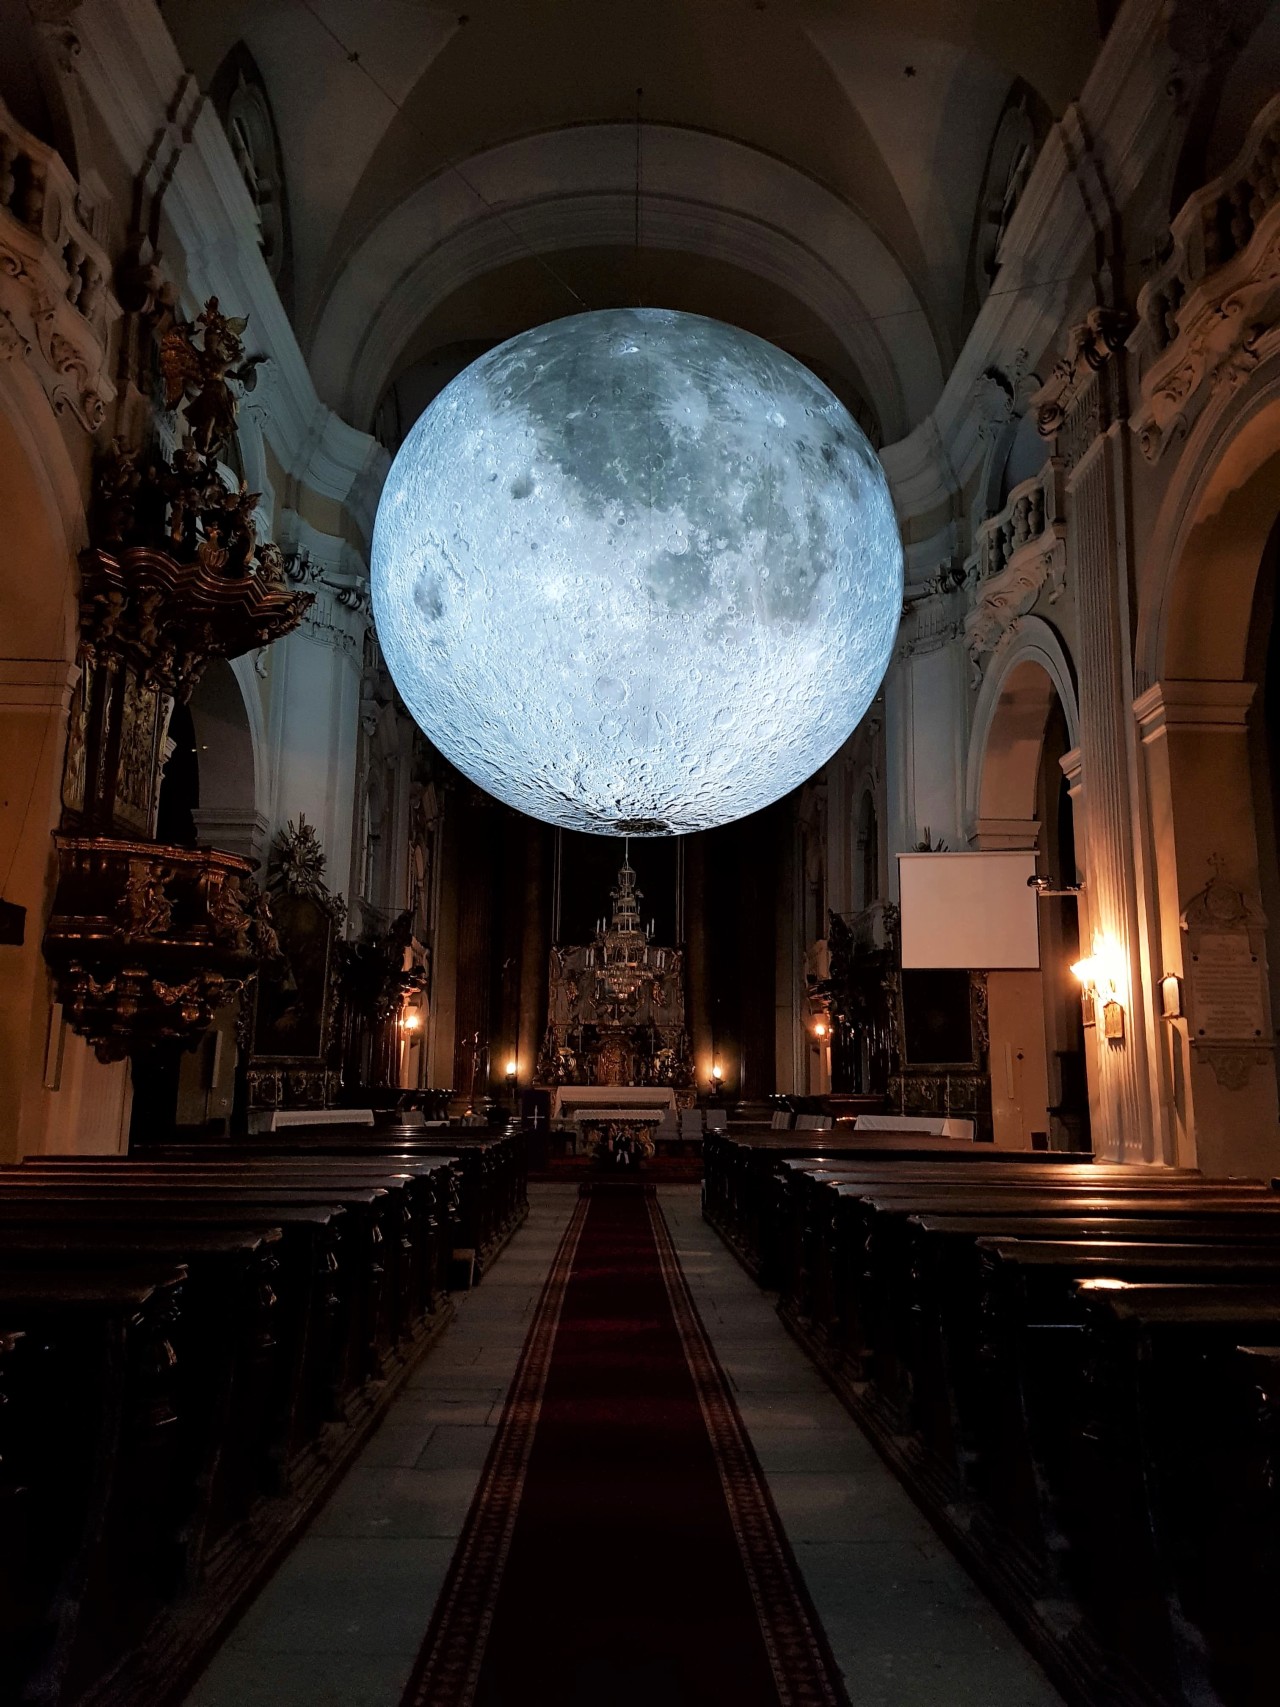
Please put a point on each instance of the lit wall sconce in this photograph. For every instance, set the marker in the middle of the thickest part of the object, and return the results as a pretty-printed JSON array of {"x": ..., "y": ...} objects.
[
  {"x": 511, "y": 1073},
  {"x": 717, "y": 1075},
  {"x": 411, "y": 1020},
  {"x": 1102, "y": 983},
  {"x": 820, "y": 1029}
]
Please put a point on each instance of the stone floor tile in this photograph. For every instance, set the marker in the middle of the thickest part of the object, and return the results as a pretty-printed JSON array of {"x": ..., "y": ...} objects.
[
  {"x": 398, "y": 1502},
  {"x": 457, "y": 1446},
  {"x": 243, "y": 1677},
  {"x": 466, "y": 1406},
  {"x": 345, "y": 1596},
  {"x": 783, "y": 1450},
  {"x": 397, "y": 1444},
  {"x": 845, "y": 1505}
]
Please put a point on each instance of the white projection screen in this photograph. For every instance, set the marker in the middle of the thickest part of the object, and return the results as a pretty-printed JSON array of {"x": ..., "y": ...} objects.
[{"x": 970, "y": 910}]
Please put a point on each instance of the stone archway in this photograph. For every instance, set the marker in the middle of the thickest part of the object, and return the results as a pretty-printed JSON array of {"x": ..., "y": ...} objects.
[
  {"x": 1025, "y": 725},
  {"x": 1195, "y": 716},
  {"x": 53, "y": 1093},
  {"x": 1027, "y": 675},
  {"x": 766, "y": 216},
  {"x": 226, "y": 712}
]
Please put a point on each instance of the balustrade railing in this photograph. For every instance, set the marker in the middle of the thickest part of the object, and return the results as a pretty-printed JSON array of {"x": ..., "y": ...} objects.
[
  {"x": 1019, "y": 555},
  {"x": 1028, "y": 515},
  {"x": 1214, "y": 225},
  {"x": 39, "y": 193}
]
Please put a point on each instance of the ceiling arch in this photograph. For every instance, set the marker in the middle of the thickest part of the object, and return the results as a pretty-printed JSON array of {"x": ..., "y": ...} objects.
[
  {"x": 527, "y": 292},
  {"x": 567, "y": 189},
  {"x": 889, "y": 106}
]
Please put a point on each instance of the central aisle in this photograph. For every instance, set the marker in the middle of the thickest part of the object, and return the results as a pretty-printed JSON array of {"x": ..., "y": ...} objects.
[
  {"x": 566, "y": 1506},
  {"x": 622, "y": 1547}
]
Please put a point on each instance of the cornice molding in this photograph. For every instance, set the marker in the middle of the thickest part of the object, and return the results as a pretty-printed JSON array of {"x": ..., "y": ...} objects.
[{"x": 1198, "y": 707}]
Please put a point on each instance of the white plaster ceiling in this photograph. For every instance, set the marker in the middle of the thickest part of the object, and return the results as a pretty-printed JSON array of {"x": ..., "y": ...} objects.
[{"x": 834, "y": 148}]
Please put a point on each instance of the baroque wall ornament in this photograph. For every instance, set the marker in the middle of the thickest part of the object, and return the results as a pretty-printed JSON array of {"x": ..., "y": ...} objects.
[
  {"x": 146, "y": 940},
  {"x": 297, "y": 866},
  {"x": 1021, "y": 556},
  {"x": 295, "y": 1037},
  {"x": 1210, "y": 314},
  {"x": 175, "y": 575},
  {"x": 1090, "y": 345},
  {"x": 56, "y": 306}
]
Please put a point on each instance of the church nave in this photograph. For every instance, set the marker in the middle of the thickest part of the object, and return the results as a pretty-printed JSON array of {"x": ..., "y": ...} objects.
[
  {"x": 344, "y": 1619},
  {"x": 639, "y": 853}
]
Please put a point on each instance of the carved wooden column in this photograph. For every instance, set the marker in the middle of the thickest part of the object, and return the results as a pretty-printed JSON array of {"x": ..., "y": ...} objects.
[{"x": 1079, "y": 408}]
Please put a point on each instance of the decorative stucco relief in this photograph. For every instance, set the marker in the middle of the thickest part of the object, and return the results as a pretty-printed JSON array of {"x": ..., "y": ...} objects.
[
  {"x": 1020, "y": 556},
  {"x": 56, "y": 305},
  {"x": 1210, "y": 314}
]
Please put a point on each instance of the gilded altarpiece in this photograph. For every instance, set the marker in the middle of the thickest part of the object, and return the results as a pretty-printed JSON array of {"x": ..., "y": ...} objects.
[
  {"x": 290, "y": 1033},
  {"x": 616, "y": 1007}
]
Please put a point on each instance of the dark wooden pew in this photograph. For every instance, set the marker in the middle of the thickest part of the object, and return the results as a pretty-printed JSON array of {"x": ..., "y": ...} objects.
[
  {"x": 825, "y": 1226},
  {"x": 364, "y": 1292},
  {"x": 991, "y": 1375},
  {"x": 1155, "y": 1537},
  {"x": 492, "y": 1186},
  {"x": 314, "y": 1274},
  {"x": 361, "y": 1253},
  {"x": 966, "y": 1312},
  {"x": 229, "y": 1343},
  {"x": 744, "y": 1178},
  {"x": 91, "y": 1488},
  {"x": 415, "y": 1248}
]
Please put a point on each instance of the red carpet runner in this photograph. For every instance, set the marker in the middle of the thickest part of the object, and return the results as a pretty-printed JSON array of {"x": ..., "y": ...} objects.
[{"x": 622, "y": 1548}]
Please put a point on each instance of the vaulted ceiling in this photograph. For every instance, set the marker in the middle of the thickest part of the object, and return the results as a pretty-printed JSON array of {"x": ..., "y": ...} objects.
[{"x": 454, "y": 175}]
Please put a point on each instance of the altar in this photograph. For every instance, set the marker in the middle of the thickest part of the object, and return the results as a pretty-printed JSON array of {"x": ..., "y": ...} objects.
[
  {"x": 606, "y": 1115},
  {"x": 615, "y": 1016},
  {"x": 623, "y": 1102}
]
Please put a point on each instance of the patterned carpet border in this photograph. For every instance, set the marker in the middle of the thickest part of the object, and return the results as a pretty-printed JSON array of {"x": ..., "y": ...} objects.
[
  {"x": 804, "y": 1670},
  {"x": 448, "y": 1669}
]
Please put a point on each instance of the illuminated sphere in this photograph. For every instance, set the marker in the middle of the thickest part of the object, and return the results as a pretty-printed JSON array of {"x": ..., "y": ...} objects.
[{"x": 637, "y": 572}]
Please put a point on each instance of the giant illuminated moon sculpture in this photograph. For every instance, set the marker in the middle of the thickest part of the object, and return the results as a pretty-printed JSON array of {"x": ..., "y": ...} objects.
[{"x": 637, "y": 571}]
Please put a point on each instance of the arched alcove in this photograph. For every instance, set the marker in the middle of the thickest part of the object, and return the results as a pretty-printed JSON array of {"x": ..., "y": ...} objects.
[
  {"x": 1205, "y": 648},
  {"x": 1029, "y": 672},
  {"x": 1025, "y": 724},
  {"x": 226, "y": 719}
]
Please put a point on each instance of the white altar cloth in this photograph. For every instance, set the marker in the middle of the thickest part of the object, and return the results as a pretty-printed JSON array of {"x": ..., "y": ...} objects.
[
  {"x": 262, "y": 1120},
  {"x": 642, "y": 1116},
  {"x": 934, "y": 1125},
  {"x": 611, "y": 1102}
]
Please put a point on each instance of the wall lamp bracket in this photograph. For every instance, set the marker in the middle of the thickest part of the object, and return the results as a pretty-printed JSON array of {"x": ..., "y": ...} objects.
[{"x": 1045, "y": 889}]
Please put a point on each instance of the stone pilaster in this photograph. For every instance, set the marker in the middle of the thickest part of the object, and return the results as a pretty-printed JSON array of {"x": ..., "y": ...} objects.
[
  {"x": 1079, "y": 409},
  {"x": 1220, "y": 1096},
  {"x": 316, "y": 676}
]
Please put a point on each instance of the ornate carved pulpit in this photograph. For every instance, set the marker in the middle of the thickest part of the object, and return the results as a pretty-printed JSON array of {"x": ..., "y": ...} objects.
[{"x": 145, "y": 938}]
